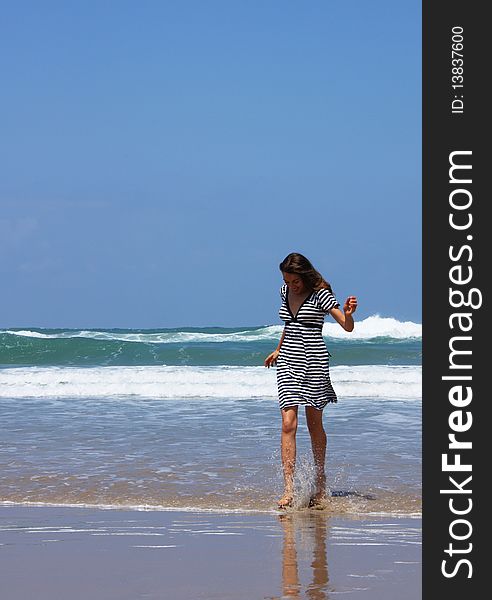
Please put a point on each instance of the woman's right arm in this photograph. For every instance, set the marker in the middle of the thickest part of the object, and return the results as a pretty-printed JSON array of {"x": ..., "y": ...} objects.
[{"x": 271, "y": 359}]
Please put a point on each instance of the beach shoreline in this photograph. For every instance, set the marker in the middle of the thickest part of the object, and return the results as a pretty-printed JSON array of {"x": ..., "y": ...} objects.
[
  {"x": 69, "y": 552},
  {"x": 144, "y": 464}
]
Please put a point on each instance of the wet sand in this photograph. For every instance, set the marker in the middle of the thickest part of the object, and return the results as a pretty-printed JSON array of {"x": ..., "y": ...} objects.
[{"x": 78, "y": 553}]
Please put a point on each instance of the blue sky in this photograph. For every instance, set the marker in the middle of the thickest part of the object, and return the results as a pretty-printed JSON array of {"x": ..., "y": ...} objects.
[{"x": 159, "y": 159}]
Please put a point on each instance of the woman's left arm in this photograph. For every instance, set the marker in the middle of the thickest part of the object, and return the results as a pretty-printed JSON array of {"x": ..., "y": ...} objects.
[{"x": 345, "y": 318}]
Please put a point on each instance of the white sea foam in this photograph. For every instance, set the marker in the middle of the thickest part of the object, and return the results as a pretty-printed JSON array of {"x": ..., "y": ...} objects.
[
  {"x": 141, "y": 508},
  {"x": 369, "y": 328},
  {"x": 163, "y": 337},
  {"x": 227, "y": 382},
  {"x": 376, "y": 326}
]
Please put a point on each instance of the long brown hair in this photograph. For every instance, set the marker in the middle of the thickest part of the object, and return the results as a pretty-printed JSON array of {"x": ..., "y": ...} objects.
[{"x": 298, "y": 264}]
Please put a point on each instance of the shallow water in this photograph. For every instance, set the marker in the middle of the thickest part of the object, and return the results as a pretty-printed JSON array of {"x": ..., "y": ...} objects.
[{"x": 203, "y": 453}]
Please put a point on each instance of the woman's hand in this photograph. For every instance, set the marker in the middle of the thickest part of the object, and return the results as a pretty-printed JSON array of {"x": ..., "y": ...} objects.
[
  {"x": 350, "y": 305},
  {"x": 271, "y": 359}
]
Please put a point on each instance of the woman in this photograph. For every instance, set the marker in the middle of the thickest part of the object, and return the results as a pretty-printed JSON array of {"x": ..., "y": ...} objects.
[{"x": 301, "y": 357}]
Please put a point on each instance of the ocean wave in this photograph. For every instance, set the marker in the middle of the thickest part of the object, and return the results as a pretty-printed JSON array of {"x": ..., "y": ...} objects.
[
  {"x": 376, "y": 327},
  {"x": 161, "y": 337},
  {"x": 226, "y": 382},
  {"x": 372, "y": 327}
]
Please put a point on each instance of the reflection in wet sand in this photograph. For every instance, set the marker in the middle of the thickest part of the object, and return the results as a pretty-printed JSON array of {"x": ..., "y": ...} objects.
[
  {"x": 183, "y": 555},
  {"x": 313, "y": 527}
]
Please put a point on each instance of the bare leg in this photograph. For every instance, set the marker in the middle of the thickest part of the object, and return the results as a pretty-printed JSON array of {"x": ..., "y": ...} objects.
[
  {"x": 314, "y": 419},
  {"x": 288, "y": 447}
]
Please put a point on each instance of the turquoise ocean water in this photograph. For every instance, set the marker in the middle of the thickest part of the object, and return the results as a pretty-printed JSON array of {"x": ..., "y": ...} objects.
[{"x": 188, "y": 418}]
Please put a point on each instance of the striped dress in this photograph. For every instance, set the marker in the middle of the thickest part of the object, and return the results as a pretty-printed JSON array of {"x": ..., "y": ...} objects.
[{"x": 303, "y": 376}]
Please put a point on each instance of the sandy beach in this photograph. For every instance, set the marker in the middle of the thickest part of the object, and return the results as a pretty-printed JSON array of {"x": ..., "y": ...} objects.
[{"x": 59, "y": 553}]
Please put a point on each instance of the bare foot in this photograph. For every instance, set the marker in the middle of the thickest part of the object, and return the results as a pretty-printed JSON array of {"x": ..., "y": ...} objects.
[
  {"x": 286, "y": 500},
  {"x": 318, "y": 499},
  {"x": 320, "y": 495}
]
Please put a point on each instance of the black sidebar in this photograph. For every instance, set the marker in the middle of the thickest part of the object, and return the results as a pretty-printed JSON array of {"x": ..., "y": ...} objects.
[{"x": 456, "y": 323}]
